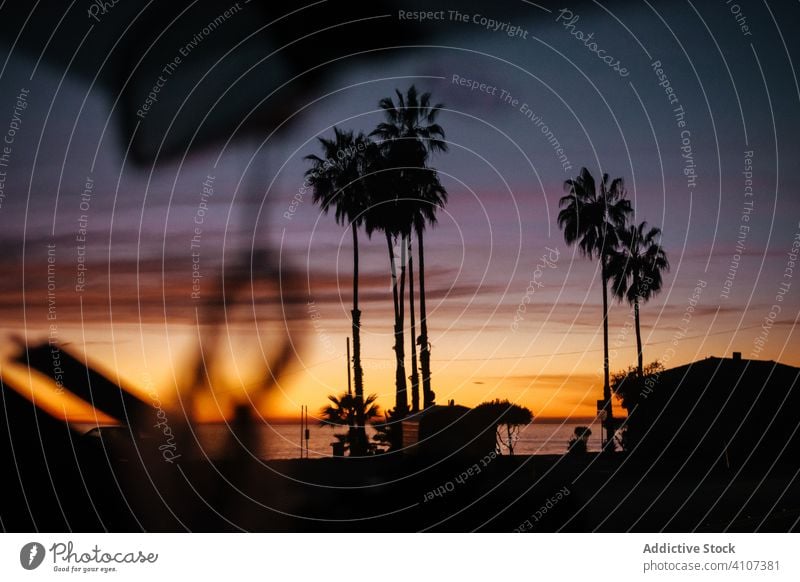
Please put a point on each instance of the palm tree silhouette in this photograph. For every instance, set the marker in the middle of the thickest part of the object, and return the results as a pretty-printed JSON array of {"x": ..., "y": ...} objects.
[
  {"x": 409, "y": 135},
  {"x": 346, "y": 410},
  {"x": 430, "y": 196},
  {"x": 388, "y": 213},
  {"x": 590, "y": 217},
  {"x": 338, "y": 182},
  {"x": 636, "y": 267},
  {"x": 414, "y": 377}
]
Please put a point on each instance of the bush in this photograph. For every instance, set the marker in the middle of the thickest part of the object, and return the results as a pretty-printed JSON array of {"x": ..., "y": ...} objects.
[{"x": 579, "y": 442}]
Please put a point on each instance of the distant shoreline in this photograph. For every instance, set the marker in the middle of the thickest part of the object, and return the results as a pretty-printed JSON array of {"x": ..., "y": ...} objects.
[
  {"x": 537, "y": 420},
  {"x": 284, "y": 421}
]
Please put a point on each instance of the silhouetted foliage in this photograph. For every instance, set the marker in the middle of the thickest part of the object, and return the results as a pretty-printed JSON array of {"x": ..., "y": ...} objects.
[
  {"x": 507, "y": 418},
  {"x": 346, "y": 410},
  {"x": 635, "y": 267},
  {"x": 408, "y": 136},
  {"x": 339, "y": 181},
  {"x": 629, "y": 387},
  {"x": 591, "y": 215},
  {"x": 579, "y": 442},
  {"x": 388, "y": 433}
]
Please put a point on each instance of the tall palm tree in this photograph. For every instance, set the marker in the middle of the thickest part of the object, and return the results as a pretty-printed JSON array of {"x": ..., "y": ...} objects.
[
  {"x": 388, "y": 213},
  {"x": 337, "y": 180},
  {"x": 414, "y": 377},
  {"x": 636, "y": 267},
  {"x": 430, "y": 196},
  {"x": 399, "y": 216},
  {"x": 410, "y": 134},
  {"x": 590, "y": 217}
]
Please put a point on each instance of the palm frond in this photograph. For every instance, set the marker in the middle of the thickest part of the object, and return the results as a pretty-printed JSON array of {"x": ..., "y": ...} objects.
[{"x": 636, "y": 266}]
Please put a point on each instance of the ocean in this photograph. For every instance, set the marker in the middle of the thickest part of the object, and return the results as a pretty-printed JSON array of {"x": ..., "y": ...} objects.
[{"x": 282, "y": 441}]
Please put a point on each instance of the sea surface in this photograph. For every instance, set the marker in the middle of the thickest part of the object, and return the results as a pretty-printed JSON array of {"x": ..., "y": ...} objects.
[{"x": 282, "y": 441}]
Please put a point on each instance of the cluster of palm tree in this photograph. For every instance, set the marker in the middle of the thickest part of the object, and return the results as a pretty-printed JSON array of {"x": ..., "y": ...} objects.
[
  {"x": 596, "y": 218},
  {"x": 383, "y": 182}
]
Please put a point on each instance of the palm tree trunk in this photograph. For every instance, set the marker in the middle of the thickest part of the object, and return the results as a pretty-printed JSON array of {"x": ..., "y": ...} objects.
[
  {"x": 361, "y": 434},
  {"x": 609, "y": 421},
  {"x": 414, "y": 373},
  {"x": 401, "y": 398},
  {"x": 428, "y": 397},
  {"x": 638, "y": 334},
  {"x": 401, "y": 323}
]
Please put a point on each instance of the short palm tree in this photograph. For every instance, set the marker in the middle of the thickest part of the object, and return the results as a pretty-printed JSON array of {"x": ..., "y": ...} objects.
[
  {"x": 590, "y": 217},
  {"x": 346, "y": 410},
  {"x": 337, "y": 180},
  {"x": 636, "y": 267},
  {"x": 409, "y": 135}
]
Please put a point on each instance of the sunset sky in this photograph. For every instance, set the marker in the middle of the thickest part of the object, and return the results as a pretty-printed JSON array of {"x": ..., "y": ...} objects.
[{"x": 136, "y": 316}]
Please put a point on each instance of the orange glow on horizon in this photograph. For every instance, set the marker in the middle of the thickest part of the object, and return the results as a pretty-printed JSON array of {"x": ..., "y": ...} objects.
[{"x": 565, "y": 384}]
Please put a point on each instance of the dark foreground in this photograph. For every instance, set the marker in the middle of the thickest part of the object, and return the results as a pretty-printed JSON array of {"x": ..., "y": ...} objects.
[
  {"x": 392, "y": 493},
  {"x": 714, "y": 453}
]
